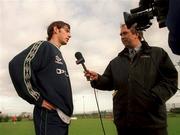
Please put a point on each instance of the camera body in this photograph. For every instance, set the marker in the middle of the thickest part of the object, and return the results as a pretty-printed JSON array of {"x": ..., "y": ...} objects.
[{"x": 147, "y": 10}]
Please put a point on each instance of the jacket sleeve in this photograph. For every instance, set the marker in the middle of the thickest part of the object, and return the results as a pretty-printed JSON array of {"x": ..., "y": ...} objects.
[
  {"x": 22, "y": 69},
  {"x": 105, "y": 81},
  {"x": 167, "y": 79},
  {"x": 173, "y": 21}
]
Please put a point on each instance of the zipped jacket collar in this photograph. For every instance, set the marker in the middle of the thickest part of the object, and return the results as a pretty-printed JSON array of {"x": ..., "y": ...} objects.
[{"x": 145, "y": 49}]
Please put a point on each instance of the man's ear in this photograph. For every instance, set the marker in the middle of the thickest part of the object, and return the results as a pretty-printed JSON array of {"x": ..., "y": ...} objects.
[
  {"x": 55, "y": 29},
  {"x": 134, "y": 26},
  {"x": 137, "y": 33}
]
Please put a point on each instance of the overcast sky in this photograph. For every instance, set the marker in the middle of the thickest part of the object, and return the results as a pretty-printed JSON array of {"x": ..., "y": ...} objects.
[{"x": 95, "y": 33}]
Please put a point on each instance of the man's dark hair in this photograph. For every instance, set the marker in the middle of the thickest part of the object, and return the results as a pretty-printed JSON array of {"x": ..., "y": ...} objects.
[{"x": 58, "y": 24}]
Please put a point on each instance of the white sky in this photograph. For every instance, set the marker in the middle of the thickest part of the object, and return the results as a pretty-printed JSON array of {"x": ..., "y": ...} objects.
[{"x": 95, "y": 33}]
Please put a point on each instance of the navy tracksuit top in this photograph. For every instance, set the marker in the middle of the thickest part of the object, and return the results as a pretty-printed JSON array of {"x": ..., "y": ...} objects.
[{"x": 39, "y": 72}]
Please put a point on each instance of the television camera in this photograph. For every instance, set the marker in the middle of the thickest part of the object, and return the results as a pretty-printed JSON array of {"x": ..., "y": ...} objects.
[{"x": 147, "y": 10}]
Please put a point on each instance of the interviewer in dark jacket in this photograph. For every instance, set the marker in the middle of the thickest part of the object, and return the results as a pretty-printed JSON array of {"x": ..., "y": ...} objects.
[{"x": 143, "y": 81}]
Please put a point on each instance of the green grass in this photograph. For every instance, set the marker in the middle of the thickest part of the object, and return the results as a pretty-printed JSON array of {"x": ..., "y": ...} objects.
[
  {"x": 77, "y": 127},
  {"x": 80, "y": 127},
  {"x": 91, "y": 127},
  {"x": 20, "y": 128},
  {"x": 174, "y": 125}
]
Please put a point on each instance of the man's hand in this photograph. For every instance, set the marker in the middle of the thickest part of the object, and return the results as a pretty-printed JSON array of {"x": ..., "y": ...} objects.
[
  {"x": 91, "y": 74},
  {"x": 47, "y": 105}
]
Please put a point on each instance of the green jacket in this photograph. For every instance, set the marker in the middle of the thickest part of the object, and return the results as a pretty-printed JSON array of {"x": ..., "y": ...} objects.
[{"x": 142, "y": 87}]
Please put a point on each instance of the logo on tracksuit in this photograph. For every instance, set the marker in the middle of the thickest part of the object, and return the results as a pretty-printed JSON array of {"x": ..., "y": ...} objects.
[
  {"x": 58, "y": 60},
  {"x": 60, "y": 71}
]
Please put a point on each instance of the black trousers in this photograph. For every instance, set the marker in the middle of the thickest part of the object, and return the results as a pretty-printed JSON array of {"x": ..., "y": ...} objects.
[
  {"x": 142, "y": 131},
  {"x": 48, "y": 122}
]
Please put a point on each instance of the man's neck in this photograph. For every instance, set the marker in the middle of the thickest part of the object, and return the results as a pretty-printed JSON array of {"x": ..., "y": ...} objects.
[
  {"x": 136, "y": 47},
  {"x": 55, "y": 43},
  {"x": 136, "y": 44}
]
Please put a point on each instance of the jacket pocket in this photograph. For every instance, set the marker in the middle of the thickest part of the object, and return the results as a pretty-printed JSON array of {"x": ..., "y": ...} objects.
[{"x": 148, "y": 101}]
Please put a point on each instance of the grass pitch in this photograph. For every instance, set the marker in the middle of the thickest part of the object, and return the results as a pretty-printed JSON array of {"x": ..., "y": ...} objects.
[{"x": 80, "y": 127}]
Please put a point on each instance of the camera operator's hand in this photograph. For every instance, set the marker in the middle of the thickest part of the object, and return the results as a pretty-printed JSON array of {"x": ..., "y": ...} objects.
[{"x": 91, "y": 74}]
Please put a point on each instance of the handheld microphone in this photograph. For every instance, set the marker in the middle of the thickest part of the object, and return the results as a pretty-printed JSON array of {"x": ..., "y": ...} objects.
[{"x": 80, "y": 60}]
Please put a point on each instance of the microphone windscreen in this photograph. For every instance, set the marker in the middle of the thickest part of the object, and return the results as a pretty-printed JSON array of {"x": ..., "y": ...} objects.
[
  {"x": 78, "y": 55},
  {"x": 79, "y": 58}
]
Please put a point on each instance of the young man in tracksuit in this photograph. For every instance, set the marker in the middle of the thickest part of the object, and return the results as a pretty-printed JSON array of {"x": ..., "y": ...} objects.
[
  {"x": 143, "y": 78},
  {"x": 40, "y": 77}
]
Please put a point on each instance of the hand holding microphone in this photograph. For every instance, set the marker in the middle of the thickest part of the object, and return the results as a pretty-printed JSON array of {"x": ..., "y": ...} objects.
[{"x": 90, "y": 75}]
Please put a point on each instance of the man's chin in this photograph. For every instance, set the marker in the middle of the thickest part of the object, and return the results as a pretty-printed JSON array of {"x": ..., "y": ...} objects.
[
  {"x": 64, "y": 43},
  {"x": 128, "y": 46}
]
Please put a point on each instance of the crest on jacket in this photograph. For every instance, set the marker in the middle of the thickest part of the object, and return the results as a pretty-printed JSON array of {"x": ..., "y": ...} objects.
[{"x": 58, "y": 60}]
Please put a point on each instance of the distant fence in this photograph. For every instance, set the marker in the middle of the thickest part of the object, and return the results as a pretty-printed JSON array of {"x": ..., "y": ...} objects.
[{"x": 170, "y": 106}]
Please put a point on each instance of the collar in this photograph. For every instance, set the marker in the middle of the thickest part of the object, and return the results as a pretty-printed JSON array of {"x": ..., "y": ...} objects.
[
  {"x": 137, "y": 49},
  {"x": 143, "y": 48},
  {"x": 54, "y": 45}
]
